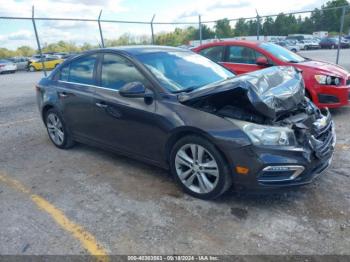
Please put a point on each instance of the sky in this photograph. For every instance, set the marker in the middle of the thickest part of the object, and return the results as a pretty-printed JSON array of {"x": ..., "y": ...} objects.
[{"x": 14, "y": 33}]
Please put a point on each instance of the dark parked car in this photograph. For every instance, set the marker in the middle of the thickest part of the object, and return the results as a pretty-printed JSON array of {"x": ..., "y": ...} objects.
[
  {"x": 176, "y": 109},
  {"x": 332, "y": 43}
]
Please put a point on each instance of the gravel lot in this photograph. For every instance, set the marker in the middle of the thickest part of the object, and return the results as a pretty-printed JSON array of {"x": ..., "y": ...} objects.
[{"x": 129, "y": 207}]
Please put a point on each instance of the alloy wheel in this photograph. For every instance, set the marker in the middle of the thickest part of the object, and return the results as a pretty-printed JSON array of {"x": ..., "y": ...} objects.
[
  {"x": 196, "y": 168},
  {"x": 55, "y": 129}
]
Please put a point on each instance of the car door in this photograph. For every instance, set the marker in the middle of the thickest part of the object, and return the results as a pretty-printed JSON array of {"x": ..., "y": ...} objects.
[
  {"x": 241, "y": 59},
  {"x": 75, "y": 92},
  {"x": 124, "y": 123}
]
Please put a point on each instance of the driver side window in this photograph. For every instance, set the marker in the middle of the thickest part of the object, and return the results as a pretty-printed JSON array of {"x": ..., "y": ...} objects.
[
  {"x": 242, "y": 55},
  {"x": 117, "y": 71}
]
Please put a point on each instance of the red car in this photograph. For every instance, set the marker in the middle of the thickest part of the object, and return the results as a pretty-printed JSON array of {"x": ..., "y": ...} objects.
[{"x": 327, "y": 85}]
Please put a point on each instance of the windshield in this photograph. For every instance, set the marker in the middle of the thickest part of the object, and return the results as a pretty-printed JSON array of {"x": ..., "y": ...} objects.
[
  {"x": 282, "y": 53},
  {"x": 183, "y": 71}
]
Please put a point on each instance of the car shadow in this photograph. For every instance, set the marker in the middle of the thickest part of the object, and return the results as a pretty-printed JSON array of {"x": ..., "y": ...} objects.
[{"x": 156, "y": 182}]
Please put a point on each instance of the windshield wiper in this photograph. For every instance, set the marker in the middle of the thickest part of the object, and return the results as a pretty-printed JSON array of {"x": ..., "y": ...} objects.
[{"x": 293, "y": 61}]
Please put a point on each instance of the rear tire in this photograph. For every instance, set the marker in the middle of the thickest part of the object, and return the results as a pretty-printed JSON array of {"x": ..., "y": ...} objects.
[
  {"x": 199, "y": 168},
  {"x": 57, "y": 130}
]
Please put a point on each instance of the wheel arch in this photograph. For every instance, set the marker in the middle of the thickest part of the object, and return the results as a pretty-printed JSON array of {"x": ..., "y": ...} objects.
[
  {"x": 44, "y": 110},
  {"x": 187, "y": 131}
]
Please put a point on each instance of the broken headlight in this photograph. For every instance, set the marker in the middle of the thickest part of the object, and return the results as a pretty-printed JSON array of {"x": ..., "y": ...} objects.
[{"x": 267, "y": 135}]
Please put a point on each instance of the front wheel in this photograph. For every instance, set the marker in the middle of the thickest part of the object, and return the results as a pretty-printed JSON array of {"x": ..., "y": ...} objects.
[
  {"x": 57, "y": 130},
  {"x": 199, "y": 168}
]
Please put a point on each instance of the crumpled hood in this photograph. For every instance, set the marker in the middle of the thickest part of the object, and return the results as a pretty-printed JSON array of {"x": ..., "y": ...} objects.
[{"x": 270, "y": 91}]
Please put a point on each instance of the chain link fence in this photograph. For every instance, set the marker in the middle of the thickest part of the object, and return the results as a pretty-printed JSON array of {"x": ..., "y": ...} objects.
[{"x": 101, "y": 32}]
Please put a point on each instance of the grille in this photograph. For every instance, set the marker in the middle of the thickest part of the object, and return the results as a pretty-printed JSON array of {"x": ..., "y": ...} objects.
[{"x": 326, "y": 137}]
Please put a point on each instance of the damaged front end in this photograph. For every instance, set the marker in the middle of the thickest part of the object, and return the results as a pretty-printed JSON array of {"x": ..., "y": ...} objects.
[{"x": 271, "y": 108}]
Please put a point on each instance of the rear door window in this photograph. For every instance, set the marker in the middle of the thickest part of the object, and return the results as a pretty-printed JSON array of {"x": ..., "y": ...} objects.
[{"x": 82, "y": 70}]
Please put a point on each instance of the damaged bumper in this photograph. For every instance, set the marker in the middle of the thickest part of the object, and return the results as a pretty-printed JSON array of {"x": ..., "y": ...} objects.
[{"x": 280, "y": 167}]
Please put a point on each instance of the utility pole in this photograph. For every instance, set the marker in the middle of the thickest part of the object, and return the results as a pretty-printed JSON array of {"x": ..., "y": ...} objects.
[
  {"x": 38, "y": 42},
  {"x": 100, "y": 28},
  {"x": 152, "y": 29}
]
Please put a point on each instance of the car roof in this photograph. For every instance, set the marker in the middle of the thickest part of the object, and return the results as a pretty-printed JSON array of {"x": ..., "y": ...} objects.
[
  {"x": 145, "y": 49},
  {"x": 230, "y": 42}
]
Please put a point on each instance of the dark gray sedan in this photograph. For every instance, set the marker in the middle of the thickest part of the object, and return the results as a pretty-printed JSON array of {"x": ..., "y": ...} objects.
[{"x": 176, "y": 109}]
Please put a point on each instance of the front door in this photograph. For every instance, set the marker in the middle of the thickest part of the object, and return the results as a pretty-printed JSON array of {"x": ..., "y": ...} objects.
[
  {"x": 241, "y": 59},
  {"x": 124, "y": 123}
]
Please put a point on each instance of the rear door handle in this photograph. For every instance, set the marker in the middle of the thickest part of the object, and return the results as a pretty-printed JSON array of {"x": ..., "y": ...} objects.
[{"x": 101, "y": 105}]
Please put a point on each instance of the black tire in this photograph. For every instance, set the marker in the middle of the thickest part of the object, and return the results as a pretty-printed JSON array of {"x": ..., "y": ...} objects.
[
  {"x": 224, "y": 178},
  {"x": 294, "y": 50},
  {"x": 68, "y": 141}
]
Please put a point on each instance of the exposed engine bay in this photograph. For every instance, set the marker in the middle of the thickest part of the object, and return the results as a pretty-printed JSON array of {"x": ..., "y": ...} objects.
[{"x": 272, "y": 97}]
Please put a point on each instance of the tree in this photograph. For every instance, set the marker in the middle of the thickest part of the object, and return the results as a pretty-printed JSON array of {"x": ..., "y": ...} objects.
[
  {"x": 25, "y": 51},
  {"x": 223, "y": 28},
  {"x": 241, "y": 28}
]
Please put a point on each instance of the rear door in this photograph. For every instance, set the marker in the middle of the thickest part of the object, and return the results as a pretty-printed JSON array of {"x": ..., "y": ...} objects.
[
  {"x": 241, "y": 59},
  {"x": 75, "y": 91}
]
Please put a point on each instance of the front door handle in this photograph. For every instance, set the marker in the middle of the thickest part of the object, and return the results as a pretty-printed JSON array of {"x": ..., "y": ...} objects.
[
  {"x": 101, "y": 105},
  {"x": 63, "y": 94}
]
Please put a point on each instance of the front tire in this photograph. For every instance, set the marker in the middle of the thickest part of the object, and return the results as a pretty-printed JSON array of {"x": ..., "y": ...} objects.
[
  {"x": 57, "y": 130},
  {"x": 199, "y": 168}
]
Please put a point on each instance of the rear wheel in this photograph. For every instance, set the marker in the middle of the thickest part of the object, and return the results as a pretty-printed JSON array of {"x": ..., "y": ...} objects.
[
  {"x": 57, "y": 130},
  {"x": 199, "y": 168}
]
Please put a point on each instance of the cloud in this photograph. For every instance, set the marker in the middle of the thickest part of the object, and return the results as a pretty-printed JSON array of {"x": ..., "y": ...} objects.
[{"x": 20, "y": 35}]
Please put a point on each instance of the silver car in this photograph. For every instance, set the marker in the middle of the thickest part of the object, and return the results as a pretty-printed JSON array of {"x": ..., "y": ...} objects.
[
  {"x": 7, "y": 66},
  {"x": 21, "y": 62}
]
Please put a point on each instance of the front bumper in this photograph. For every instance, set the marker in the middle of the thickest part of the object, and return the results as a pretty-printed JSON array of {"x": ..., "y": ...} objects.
[
  {"x": 272, "y": 168},
  {"x": 331, "y": 96}
]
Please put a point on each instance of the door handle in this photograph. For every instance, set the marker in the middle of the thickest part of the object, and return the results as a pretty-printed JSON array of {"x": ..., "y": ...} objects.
[
  {"x": 63, "y": 94},
  {"x": 101, "y": 105}
]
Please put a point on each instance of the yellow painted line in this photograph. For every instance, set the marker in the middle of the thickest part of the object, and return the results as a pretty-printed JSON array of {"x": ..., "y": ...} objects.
[
  {"x": 17, "y": 122},
  {"x": 86, "y": 239}
]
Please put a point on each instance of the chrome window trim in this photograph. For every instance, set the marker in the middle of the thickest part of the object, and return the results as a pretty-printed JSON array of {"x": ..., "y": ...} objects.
[{"x": 76, "y": 83}]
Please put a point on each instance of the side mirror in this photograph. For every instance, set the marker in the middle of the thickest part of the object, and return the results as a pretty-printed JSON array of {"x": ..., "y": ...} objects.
[
  {"x": 262, "y": 61},
  {"x": 133, "y": 89}
]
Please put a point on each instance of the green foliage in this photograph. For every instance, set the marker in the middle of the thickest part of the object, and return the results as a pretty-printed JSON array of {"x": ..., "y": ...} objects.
[{"x": 223, "y": 28}]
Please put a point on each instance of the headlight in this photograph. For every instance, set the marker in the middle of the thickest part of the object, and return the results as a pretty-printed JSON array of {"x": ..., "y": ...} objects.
[
  {"x": 267, "y": 135},
  {"x": 327, "y": 80}
]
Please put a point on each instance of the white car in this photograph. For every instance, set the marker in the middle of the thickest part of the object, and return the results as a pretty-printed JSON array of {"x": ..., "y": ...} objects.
[
  {"x": 290, "y": 46},
  {"x": 7, "y": 66}
]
